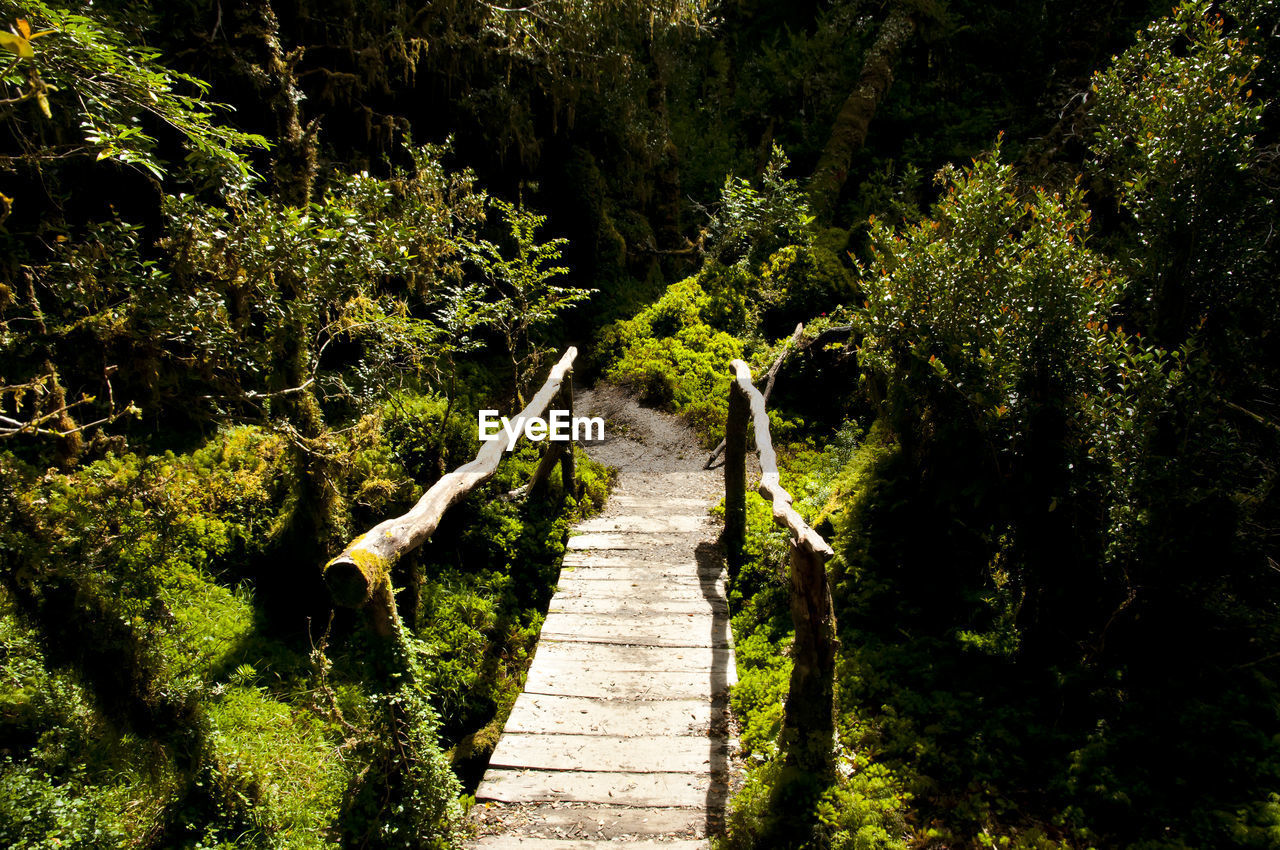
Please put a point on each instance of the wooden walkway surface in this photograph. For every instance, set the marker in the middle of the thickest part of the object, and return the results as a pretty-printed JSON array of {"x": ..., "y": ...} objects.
[{"x": 622, "y": 733}]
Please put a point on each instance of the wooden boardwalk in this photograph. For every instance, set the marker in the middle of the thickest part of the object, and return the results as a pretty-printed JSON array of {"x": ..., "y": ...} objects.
[{"x": 622, "y": 733}]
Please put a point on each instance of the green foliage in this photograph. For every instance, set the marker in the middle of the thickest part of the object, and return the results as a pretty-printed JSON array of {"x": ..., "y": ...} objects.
[
  {"x": 988, "y": 310},
  {"x": 751, "y": 223},
  {"x": 780, "y": 806},
  {"x": 671, "y": 358},
  {"x": 525, "y": 299},
  {"x": 51, "y": 800},
  {"x": 36, "y": 813},
  {"x": 1176, "y": 138},
  {"x": 108, "y": 94},
  {"x": 798, "y": 282},
  {"x": 374, "y": 264},
  {"x": 1055, "y": 539},
  {"x": 282, "y": 761},
  {"x": 410, "y": 796}
]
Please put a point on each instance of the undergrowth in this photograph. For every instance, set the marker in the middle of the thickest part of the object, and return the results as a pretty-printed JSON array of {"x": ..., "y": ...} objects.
[{"x": 147, "y": 696}]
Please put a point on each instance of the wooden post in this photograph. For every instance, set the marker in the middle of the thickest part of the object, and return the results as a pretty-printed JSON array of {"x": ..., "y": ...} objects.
[
  {"x": 567, "y": 472},
  {"x": 808, "y": 723},
  {"x": 735, "y": 478},
  {"x": 809, "y": 719},
  {"x": 551, "y": 453}
]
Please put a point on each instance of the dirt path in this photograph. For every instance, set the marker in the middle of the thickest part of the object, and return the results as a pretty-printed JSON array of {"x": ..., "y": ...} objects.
[{"x": 623, "y": 731}]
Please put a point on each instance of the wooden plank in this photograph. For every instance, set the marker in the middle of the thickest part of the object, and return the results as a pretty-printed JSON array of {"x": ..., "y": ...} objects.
[
  {"x": 544, "y": 713},
  {"x": 572, "y": 655},
  {"x": 666, "y": 524},
  {"x": 597, "y": 559},
  {"x": 579, "y": 586},
  {"x": 644, "y": 576},
  {"x": 656, "y": 566},
  {"x": 606, "y": 753},
  {"x": 659, "y": 502},
  {"x": 623, "y": 684},
  {"x": 597, "y": 823},
  {"x": 516, "y": 842},
  {"x": 656, "y": 630},
  {"x": 622, "y": 540},
  {"x": 657, "y": 790},
  {"x": 630, "y": 606},
  {"x": 579, "y": 558}
]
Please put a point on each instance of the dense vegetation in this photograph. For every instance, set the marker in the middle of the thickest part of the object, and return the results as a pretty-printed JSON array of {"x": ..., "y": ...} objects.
[{"x": 263, "y": 260}]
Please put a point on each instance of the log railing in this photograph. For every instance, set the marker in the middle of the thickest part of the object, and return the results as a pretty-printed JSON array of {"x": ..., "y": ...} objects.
[
  {"x": 360, "y": 576},
  {"x": 809, "y": 718}
]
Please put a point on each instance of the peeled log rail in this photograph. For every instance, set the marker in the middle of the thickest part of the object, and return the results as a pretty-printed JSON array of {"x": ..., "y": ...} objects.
[
  {"x": 809, "y": 718},
  {"x": 783, "y": 514},
  {"x": 360, "y": 572},
  {"x": 770, "y": 377}
]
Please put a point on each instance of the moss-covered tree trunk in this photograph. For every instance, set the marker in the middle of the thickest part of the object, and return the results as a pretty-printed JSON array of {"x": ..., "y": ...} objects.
[
  {"x": 259, "y": 57},
  {"x": 849, "y": 132}
]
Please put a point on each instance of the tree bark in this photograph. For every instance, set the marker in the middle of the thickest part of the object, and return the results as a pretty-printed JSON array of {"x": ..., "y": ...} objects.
[
  {"x": 850, "y": 130},
  {"x": 809, "y": 715},
  {"x": 259, "y": 57},
  {"x": 666, "y": 167}
]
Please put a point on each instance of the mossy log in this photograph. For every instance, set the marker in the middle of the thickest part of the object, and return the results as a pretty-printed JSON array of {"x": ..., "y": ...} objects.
[{"x": 364, "y": 565}]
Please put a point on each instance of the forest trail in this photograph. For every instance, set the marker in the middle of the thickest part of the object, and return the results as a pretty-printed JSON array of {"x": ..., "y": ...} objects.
[{"x": 623, "y": 731}]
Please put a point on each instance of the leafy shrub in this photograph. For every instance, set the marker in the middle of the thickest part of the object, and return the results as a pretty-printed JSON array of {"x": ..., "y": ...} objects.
[
  {"x": 1177, "y": 126},
  {"x": 752, "y": 223},
  {"x": 37, "y": 814},
  {"x": 801, "y": 281},
  {"x": 861, "y": 811},
  {"x": 671, "y": 358},
  {"x": 990, "y": 310}
]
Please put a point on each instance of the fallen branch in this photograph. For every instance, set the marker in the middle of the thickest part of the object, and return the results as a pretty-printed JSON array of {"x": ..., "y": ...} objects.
[
  {"x": 827, "y": 337},
  {"x": 36, "y": 425}
]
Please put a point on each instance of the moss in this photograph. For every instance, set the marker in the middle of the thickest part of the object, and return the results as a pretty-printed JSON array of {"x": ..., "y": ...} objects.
[
  {"x": 371, "y": 565},
  {"x": 671, "y": 357}
]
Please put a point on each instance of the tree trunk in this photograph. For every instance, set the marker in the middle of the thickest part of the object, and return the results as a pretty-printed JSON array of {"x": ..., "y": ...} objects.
[
  {"x": 319, "y": 521},
  {"x": 260, "y": 58},
  {"x": 850, "y": 130},
  {"x": 666, "y": 168}
]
